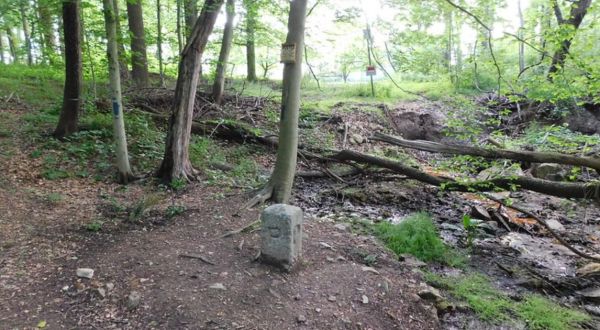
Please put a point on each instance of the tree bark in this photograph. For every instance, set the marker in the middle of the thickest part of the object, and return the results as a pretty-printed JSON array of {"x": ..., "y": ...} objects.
[
  {"x": 139, "y": 62},
  {"x": 124, "y": 170},
  {"x": 282, "y": 177},
  {"x": 521, "y": 35},
  {"x": 159, "y": 43},
  {"x": 1, "y": 49},
  {"x": 559, "y": 189},
  {"x": 178, "y": 28},
  {"x": 578, "y": 10},
  {"x": 123, "y": 67},
  {"x": 47, "y": 32},
  {"x": 26, "y": 33},
  {"x": 219, "y": 84},
  {"x": 191, "y": 13},
  {"x": 69, "y": 115},
  {"x": 251, "y": 13},
  {"x": 176, "y": 163},
  {"x": 12, "y": 45},
  {"x": 526, "y": 156}
]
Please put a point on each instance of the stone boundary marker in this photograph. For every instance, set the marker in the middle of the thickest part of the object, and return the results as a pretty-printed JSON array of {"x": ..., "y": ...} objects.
[{"x": 281, "y": 235}]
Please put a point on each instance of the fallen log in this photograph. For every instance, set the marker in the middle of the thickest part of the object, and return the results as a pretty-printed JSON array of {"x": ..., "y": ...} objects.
[
  {"x": 559, "y": 189},
  {"x": 526, "y": 156}
]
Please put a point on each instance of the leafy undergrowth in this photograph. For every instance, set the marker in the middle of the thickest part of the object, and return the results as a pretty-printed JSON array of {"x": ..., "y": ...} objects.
[
  {"x": 416, "y": 235},
  {"x": 492, "y": 305}
]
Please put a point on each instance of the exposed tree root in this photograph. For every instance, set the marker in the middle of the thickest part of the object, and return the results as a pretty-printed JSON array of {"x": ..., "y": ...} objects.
[{"x": 260, "y": 197}]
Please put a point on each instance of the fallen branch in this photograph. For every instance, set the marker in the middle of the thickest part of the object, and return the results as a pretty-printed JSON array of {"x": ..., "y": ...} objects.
[
  {"x": 196, "y": 256},
  {"x": 240, "y": 230},
  {"x": 545, "y": 225},
  {"x": 526, "y": 156}
]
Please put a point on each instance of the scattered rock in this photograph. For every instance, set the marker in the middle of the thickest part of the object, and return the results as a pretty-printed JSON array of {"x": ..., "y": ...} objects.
[
  {"x": 301, "y": 319},
  {"x": 555, "y": 225},
  {"x": 480, "y": 212},
  {"x": 332, "y": 298},
  {"x": 85, "y": 272},
  {"x": 496, "y": 172},
  {"x": 589, "y": 270},
  {"x": 411, "y": 261},
  {"x": 430, "y": 294},
  {"x": 341, "y": 227},
  {"x": 592, "y": 294},
  {"x": 110, "y": 286},
  {"x": 370, "y": 270},
  {"x": 490, "y": 227},
  {"x": 218, "y": 286},
  {"x": 357, "y": 139},
  {"x": 450, "y": 227},
  {"x": 365, "y": 299},
  {"x": 548, "y": 171},
  {"x": 134, "y": 299},
  {"x": 101, "y": 292}
]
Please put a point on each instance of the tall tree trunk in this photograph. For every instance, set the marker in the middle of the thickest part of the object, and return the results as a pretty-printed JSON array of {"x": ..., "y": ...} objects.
[
  {"x": 219, "y": 84},
  {"x": 578, "y": 10},
  {"x": 521, "y": 35},
  {"x": 26, "y": 32},
  {"x": 123, "y": 67},
  {"x": 69, "y": 115},
  {"x": 1, "y": 48},
  {"x": 251, "y": 14},
  {"x": 159, "y": 43},
  {"x": 449, "y": 35},
  {"x": 178, "y": 28},
  {"x": 47, "y": 32},
  {"x": 191, "y": 13},
  {"x": 124, "y": 170},
  {"x": 139, "y": 62},
  {"x": 282, "y": 177},
  {"x": 176, "y": 162},
  {"x": 13, "y": 45}
]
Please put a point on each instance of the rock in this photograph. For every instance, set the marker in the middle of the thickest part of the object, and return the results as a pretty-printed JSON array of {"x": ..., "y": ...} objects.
[
  {"x": 341, "y": 227},
  {"x": 490, "y": 227},
  {"x": 555, "y": 225},
  {"x": 365, "y": 299},
  {"x": 370, "y": 270},
  {"x": 495, "y": 172},
  {"x": 548, "y": 171},
  {"x": 85, "y": 272},
  {"x": 411, "y": 261},
  {"x": 332, "y": 298},
  {"x": 430, "y": 294},
  {"x": 589, "y": 270},
  {"x": 592, "y": 294},
  {"x": 357, "y": 139},
  {"x": 110, "y": 286},
  {"x": 450, "y": 227},
  {"x": 218, "y": 286},
  {"x": 301, "y": 319},
  {"x": 101, "y": 292},
  {"x": 480, "y": 212},
  {"x": 134, "y": 299},
  {"x": 281, "y": 235}
]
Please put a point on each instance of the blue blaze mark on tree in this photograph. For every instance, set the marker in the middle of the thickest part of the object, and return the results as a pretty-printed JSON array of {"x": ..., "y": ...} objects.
[{"x": 115, "y": 108}]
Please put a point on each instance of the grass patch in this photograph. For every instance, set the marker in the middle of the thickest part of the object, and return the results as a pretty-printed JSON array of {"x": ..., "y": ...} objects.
[
  {"x": 417, "y": 236},
  {"x": 492, "y": 305}
]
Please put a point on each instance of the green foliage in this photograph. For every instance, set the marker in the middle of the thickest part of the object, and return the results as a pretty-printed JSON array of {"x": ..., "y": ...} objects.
[
  {"x": 556, "y": 139},
  {"x": 415, "y": 235},
  {"x": 494, "y": 306},
  {"x": 178, "y": 184},
  {"x": 470, "y": 227},
  {"x": 174, "y": 210},
  {"x": 94, "y": 226},
  {"x": 141, "y": 207},
  {"x": 54, "y": 198}
]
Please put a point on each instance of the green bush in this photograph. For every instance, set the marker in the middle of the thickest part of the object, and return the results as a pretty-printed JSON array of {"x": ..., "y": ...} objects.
[{"x": 415, "y": 235}]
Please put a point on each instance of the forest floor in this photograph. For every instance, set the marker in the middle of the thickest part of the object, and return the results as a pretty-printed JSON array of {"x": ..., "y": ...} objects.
[{"x": 136, "y": 239}]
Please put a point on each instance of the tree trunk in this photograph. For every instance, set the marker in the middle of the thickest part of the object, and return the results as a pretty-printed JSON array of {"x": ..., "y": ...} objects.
[
  {"x": 282, "y": 178},
  {"x": 251, "y": 13},
  {"x": 1, "y": 49},
  {"x": 191, "y": 13},
  {"x": 123, "y": 67},
  {"x": 139, "y": 63},
  {"x": 521, "y": 35},
  {"x": 124, "y": 170},
  {"x": 526, "y": 156},
  {"x": 12, "y": 45},
  {"x": 178, "y": 28},
  {"x": 47, "y": 32},
  {"x": 159, "y": 43},
  {"x": 26, "y": 33},
  {"x": 219, "y": 84},
  {"x": 176, "y": 163},
  {"x": 69, "y": 115},
  {"x": 449, "y": 43},
  {"x": 577, "y": 13}
]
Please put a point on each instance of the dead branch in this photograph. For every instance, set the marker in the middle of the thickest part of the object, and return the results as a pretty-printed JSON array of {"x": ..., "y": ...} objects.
[
  {"x": 526, "y": 156},
  {"x": 196, "y": 256}
]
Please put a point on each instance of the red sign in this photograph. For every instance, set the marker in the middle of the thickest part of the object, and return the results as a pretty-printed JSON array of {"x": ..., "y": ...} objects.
[{"x": 371, "y": 71}]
